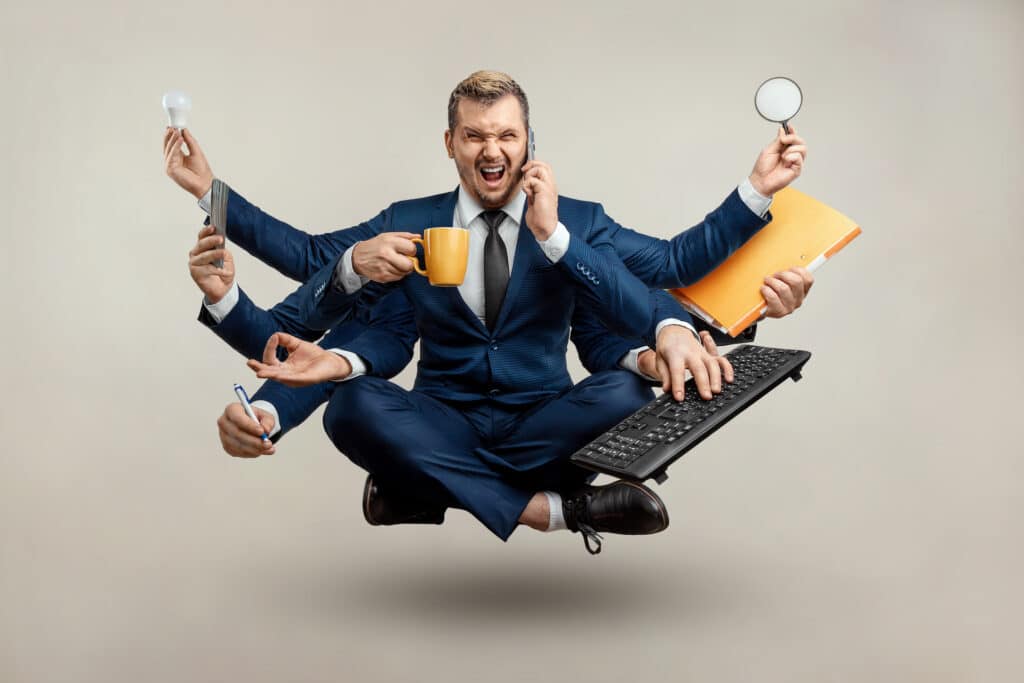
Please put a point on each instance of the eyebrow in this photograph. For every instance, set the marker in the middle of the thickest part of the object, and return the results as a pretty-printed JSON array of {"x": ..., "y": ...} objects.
[{"x": 473, "y": 131}]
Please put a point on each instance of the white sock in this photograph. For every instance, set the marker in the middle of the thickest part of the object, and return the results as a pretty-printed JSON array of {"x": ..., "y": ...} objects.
[{"x": 555, "y": 519}]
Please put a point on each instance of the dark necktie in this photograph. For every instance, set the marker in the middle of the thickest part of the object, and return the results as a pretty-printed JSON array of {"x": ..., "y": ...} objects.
[{"x": 495, "y": 267}]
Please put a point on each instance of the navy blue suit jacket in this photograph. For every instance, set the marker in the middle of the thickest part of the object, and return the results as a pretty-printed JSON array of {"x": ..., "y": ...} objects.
[{"x": 522, "y": 360}]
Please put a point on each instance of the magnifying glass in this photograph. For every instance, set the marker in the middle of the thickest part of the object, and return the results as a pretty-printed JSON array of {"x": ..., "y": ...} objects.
[{"x": 778, "y": 99}]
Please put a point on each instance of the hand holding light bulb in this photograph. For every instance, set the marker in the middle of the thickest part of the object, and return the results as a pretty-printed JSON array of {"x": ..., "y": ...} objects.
[{"x": 191, "y": 172}]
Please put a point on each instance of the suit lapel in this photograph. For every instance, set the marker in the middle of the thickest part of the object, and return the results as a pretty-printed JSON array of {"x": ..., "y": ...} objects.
[{"x": 443, "y": 210}]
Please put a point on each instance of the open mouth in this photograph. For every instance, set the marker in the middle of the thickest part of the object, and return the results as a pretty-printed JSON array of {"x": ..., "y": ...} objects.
[{"x": 493, "y": 174}]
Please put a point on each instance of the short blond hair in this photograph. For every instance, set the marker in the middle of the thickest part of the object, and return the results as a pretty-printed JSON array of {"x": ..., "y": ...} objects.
[{"x": 486, "y": 87}]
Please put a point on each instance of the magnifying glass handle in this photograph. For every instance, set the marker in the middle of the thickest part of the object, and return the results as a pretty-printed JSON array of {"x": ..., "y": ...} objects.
[{"x": 785, "y": 127}]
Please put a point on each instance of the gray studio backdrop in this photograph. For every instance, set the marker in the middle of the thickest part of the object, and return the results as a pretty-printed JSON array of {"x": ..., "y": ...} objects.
[{"x": 863, "y": 524}]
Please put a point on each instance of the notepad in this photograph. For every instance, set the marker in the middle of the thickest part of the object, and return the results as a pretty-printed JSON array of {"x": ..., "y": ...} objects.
[{"x": 803, "y": 232}]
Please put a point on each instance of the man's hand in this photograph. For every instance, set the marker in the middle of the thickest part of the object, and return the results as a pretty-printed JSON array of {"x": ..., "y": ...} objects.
[
  {"x": 192, "y": 173},
  {"x": 785, "y": 292},
  {"x": 307, "y": 363},
  {"x": 240, "y": 436},
  {"x": 213, "y": 281},
  {"x": 678, "y": 351},
  {"x": 779, "y": 164},
  {"x": 542, "y": 194},
  {"x": 386, "y": 257}
]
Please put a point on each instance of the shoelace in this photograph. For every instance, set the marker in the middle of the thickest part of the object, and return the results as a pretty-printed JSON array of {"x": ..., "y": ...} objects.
[
  {"x": 589, "y": 535},
  {"x": 580, "y": 512}
]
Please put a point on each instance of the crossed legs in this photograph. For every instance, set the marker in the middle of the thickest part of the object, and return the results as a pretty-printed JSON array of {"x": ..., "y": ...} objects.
[{"x": 484, "y": 458}]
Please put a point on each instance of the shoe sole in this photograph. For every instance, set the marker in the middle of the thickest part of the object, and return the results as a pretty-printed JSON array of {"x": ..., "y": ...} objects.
[{"x": 366, "y": 502}]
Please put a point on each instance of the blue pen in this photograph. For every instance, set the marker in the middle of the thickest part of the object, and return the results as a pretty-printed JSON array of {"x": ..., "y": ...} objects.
[{"x": 243, "y": 398}]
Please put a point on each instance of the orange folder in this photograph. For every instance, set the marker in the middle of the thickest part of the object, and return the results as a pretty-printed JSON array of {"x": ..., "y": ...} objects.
[{"x": 803, "y": 232}]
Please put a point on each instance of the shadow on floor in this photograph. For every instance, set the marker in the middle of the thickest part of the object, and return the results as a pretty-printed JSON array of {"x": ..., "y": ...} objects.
[{"x": 521, "y": 592}]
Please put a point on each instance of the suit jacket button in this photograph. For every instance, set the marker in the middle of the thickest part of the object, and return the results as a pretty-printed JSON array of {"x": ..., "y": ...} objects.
[
  {"x": 494, "y": 392},
  {"x": 494, "y": 347}
]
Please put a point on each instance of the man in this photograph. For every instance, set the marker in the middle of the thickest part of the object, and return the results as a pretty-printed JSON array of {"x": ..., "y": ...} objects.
[{"x": 498, "y": 405}]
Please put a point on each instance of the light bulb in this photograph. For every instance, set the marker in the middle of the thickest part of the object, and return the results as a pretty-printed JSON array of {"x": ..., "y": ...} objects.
[{"x": 178, "y": 105}]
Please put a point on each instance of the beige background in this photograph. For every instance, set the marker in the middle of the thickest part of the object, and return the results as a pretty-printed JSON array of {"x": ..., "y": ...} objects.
[{"x": 864, "y": 524}]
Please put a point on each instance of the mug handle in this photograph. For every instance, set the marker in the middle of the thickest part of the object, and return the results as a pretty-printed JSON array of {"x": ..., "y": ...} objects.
[{"x": 415, "y": 260}]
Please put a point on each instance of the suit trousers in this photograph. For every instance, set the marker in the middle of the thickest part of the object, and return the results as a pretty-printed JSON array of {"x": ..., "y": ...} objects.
[{"x": 483, "y": 457}]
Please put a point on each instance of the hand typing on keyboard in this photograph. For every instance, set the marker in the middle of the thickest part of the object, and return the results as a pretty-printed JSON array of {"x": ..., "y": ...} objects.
[
  {"x": 678, "y": 351},
  {"x": 644, "y": 444}
]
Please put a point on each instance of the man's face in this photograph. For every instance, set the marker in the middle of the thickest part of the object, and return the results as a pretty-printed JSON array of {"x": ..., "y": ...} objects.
[{"x": 489, "y": 148}]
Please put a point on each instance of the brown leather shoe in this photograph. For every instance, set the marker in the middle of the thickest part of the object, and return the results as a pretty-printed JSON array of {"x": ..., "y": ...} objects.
[
  {"x": 380, "y": 509},
  {"x": 622, "y": 507}
]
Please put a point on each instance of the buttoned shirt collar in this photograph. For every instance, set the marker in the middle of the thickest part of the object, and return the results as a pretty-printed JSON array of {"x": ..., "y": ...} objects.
[{"x": 469, "y": 208}]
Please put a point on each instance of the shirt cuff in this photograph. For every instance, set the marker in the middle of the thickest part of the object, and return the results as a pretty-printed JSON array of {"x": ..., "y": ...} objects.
[
  {"x": 555, "y": 246},
  {"x": 345, "y": 275},
  {"x": 269, "y": 407},
  {"x": 675, "y": 321},
  {"x": 754, "y": 200},
  {"x": 631, "y": 361},
  {"x": 222, "y": 308},
  {"x": 204, "y": 203},
  {"x": 358, "y": 366}
]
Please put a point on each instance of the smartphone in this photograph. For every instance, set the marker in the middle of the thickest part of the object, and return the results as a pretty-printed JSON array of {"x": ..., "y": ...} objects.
[
  {"x": 219, "y": 213},
  {"x": 531, "y": 145}
]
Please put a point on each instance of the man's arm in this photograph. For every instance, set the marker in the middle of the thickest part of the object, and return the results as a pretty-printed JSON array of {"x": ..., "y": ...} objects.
[
  {"x": 599, "y": 349},
  {"x": 381, "y": 338},
  {"x": 292, "y": 252},
  {"x": 586, "y": 257},
  {"x": 695, "y": 252},
  {"x": 679, "y": 348},
  {"x": 389, "y": 328},
  {"x": 691, "y": 254},
  {"x": 245, "y": 326}
]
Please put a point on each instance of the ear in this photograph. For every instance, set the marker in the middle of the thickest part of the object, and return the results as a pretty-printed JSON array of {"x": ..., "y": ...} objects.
[{"x": 448, "y": 143}]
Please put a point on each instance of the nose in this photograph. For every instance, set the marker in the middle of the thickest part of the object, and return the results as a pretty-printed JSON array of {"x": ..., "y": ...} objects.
[{"x": 492, "y": 151}]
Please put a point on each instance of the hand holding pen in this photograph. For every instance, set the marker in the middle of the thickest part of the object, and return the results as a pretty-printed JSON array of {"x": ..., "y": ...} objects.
[{"x": 244, "y": 434}]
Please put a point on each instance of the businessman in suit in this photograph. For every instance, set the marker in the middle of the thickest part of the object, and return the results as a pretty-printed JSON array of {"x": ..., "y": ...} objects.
[
  {"x": 491, "y": 372},
  {"x": 390, "y": 331}
]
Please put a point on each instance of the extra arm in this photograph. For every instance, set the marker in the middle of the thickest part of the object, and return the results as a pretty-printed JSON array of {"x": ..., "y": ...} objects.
[
  {"x": 599, "y": 349},
  {"x": 383, "y": 337},
  {"x": 292, "y": 252},
  {"x": 691, "y": 254}
]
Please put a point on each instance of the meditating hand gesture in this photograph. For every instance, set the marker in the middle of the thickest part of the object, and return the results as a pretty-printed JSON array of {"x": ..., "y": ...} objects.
[{"x": 306, "y": 364}]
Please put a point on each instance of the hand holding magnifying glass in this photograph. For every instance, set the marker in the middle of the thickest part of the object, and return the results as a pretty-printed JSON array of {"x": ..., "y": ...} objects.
[{"x": 780, "y": 163}]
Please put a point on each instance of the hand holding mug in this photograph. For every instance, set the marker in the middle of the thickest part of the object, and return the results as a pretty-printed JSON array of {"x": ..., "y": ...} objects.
[{"x": 385, "y": 258}]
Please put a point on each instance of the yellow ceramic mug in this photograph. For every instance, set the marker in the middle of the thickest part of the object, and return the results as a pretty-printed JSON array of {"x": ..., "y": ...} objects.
[{"x": 445, "y": 252}]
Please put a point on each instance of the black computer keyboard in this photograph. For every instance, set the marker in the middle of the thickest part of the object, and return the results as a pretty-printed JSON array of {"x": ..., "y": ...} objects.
[{"x": 648, "y": 441}]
